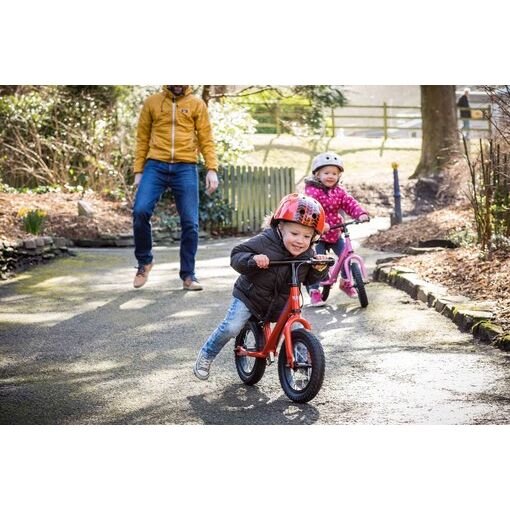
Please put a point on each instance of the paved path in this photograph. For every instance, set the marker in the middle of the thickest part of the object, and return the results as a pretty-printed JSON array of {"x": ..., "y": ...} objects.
[{"x": 79, "y": 345}]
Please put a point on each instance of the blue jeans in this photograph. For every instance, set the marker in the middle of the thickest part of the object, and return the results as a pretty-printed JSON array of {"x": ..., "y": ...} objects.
[
  {"x": 182, "y": 178},
  {"x": 320, "y": 249},
  {"x": 466, "y": 126},
  {"x": 237, "y": 316}
]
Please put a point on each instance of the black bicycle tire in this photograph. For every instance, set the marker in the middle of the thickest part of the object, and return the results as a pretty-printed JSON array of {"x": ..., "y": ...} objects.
[
  {"x": 259, "y": 367},
  {"x": 318, "y": 359},
  {"x": 359, "y": 284}
]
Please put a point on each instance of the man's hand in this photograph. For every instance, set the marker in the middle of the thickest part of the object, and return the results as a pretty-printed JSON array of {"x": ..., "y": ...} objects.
[
  {"x": 138, "y": 178},
  {"x": 262, "y": 261},
  {"x": 211, "y": 182}
]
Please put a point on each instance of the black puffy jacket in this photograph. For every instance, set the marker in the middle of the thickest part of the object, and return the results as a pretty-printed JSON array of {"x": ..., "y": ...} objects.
[
  {"x": 463, "y": 104},
  {"x": 261, "y": 289}
]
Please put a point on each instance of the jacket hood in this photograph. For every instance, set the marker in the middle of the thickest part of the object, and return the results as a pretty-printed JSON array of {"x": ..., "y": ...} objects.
[
  {"x": 187, "y": 92},
  {"x": 311, "y": 181},
  {"x": 275, "y": 236}
]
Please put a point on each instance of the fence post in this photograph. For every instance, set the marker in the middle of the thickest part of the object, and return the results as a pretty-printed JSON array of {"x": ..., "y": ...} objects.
[
  {"x": 333, "y": 122},
  {"x": 385, "y": 113},
  {"x": 396, "y": 218}
]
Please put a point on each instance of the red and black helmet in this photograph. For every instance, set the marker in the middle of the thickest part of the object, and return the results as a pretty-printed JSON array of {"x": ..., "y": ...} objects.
[{"x": 302, "y": 209}]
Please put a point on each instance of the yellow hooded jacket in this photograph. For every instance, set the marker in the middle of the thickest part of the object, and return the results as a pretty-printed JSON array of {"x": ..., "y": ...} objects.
[{"x": 172, "y": 129}]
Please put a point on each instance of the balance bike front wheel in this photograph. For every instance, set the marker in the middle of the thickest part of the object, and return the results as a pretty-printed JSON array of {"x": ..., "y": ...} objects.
[
  {"x": 251, "y": 338},
  {"x": 302, "y": 382},
  {"x": 359, "y": 285}
]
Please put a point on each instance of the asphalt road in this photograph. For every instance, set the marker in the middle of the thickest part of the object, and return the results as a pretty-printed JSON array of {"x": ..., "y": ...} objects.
[{"x": 79, "y": 345}]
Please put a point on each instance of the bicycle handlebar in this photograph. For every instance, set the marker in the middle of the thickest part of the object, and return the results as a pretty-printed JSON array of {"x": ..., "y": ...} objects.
[
  {"x": 352, "y": 222},
  {"x": 308, "y": 262}
]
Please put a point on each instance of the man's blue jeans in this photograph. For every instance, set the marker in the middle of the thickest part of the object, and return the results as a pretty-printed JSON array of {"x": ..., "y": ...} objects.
[{"x": 182, "y": 178}]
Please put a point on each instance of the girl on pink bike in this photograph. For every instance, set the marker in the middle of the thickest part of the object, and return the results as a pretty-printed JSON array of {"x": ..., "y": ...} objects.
[{"x": 327, "y": 169}]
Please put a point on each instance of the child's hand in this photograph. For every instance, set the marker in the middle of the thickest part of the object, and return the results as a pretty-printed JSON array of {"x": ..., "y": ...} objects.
[
  {"x": 320, "y": 267},
  {"x": 364, "y": 217},
  {"x": 326, "y": 228},
  {"x": 262, "y": 261}
]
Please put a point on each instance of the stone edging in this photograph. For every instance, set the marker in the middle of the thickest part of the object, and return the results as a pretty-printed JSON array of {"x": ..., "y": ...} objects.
[
  {"x": 469, "y": 316},
  {"x": 160, "y": 237},
  {"x": 20, "y": 255}
]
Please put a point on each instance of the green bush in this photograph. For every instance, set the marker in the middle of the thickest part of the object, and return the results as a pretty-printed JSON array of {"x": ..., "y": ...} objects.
[
  {"x": 76, "y": 135},
  {"x": 231, "y": 124},
  {"x": 214, "y": 212}
]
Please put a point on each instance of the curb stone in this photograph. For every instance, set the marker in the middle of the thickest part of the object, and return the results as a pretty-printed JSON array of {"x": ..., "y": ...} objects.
[
  {"x": 23, "y": 254},
  {"x": 470, "y": 316}
]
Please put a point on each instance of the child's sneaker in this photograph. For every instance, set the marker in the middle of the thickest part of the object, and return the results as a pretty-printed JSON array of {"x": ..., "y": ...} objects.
[
  {"x": 316, "y": 298},
  {"x": 347, "y": 287},
  {"x": 202, "y": 366}
]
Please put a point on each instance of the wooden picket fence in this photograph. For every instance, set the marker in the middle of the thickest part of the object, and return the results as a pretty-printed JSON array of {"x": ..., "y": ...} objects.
[
  {"x": 387, "y": 119},
  {"x": 254, "y": 192}
]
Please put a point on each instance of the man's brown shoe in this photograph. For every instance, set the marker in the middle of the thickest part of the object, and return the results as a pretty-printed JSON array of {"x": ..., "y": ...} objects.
[
  {"x": 142, "y": 275},
  {"x": 189, "y": 284}
]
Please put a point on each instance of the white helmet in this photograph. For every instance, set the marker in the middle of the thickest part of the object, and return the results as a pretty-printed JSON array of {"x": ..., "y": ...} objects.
[{"x": 327, "y": 158}]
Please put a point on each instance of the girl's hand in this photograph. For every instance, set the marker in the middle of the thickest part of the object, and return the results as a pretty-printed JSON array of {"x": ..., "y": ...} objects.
[
  {"x": 364, "y": 217},
  {"x": 320, "y": 267},
  {"x": 262, "y": 261},
  {"x": 326, "y": 228}
]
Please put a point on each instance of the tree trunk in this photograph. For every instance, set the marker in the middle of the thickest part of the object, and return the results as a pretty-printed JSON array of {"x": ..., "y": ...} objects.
[
  {"x": 440, "y": 136},
  {"x": 206, "y": 93},
  {"x": 220, "y": 90}
]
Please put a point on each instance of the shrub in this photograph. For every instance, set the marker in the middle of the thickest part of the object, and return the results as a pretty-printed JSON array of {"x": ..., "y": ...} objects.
[
  {"x": 57, "y": 135},
  {"x": 490, "y": 194},
  {"x": 231, "y": 124}
]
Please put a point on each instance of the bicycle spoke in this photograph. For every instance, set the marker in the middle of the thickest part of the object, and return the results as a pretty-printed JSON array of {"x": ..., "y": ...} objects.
[{"x": 300, "y": 378}]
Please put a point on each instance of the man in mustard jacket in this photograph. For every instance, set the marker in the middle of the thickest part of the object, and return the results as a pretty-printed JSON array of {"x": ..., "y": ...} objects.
[{"x": 173, "y": 126}]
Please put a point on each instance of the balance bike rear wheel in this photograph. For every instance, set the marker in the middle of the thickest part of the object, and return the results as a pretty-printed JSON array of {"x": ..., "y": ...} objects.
[{"x": 251, "y": 338}]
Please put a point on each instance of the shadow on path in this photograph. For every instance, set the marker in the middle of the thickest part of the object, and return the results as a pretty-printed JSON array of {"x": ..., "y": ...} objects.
[{"x": 240, "y": 404}]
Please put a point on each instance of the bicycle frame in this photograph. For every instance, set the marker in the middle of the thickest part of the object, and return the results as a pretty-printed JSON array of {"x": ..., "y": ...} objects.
[
  {"x": 291, "y": 315},
  {"x": 345, "y": 258}
]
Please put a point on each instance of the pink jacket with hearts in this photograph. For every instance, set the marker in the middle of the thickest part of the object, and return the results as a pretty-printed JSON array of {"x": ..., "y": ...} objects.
[{"x": 333, "y": 200}]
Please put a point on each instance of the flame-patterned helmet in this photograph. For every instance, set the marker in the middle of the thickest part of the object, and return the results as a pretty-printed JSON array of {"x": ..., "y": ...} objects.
[{"x": 302, "y": 209}]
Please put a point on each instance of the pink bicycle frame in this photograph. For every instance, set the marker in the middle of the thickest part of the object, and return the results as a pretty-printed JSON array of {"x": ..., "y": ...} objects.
[{"x": 345, "y": 259}]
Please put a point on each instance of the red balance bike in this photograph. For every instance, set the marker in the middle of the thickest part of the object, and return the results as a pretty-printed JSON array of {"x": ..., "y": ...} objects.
[
  {"x": 353, "y": 266},
  {"x": 301, "y": 359}
]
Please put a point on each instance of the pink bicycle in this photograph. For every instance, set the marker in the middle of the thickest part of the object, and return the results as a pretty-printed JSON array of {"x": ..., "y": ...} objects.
[{"x": 353, "y": 266}]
